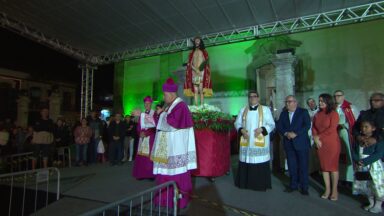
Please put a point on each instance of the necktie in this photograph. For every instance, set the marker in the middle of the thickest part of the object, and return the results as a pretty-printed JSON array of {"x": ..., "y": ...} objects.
[{"x": 290, "y": 116}]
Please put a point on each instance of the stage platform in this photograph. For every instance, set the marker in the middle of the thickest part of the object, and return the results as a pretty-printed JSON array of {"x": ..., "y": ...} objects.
[{"x": 85, "y": 188}]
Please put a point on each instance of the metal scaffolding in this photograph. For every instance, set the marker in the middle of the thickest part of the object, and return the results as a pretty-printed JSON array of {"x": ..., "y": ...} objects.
[
  {"x": 86, "y": 100},
  {"x": 338, "y": 17},
  {"x": 361, "y": 13},
  {"x": 33, "y": 34}
]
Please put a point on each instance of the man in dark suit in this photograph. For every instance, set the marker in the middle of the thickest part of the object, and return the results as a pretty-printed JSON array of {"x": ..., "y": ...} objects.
[
  {"x": 116, "y": 132},
  {"x": 293, "y": 125}
]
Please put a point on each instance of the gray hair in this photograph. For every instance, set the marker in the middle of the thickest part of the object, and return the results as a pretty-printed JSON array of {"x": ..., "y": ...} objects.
[
  {"x": 291, "y": 96},
  {"x": 309, "y": 99}
]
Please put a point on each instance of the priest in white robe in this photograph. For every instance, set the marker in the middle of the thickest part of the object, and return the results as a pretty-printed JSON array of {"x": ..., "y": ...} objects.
[
  {"x": 174, "y": 151},
  {"x": 254, "y": 123}
]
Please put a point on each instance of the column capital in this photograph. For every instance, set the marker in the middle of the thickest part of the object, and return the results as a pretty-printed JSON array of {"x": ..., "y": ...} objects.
[
  {"x": 284, "y": 59},
  {"x": 284, "y": 77}
]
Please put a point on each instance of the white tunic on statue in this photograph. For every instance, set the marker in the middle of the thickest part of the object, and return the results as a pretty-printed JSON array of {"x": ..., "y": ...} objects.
[
  {"x": 181, "y": 149},
  {"x": 251, "y": 153}
]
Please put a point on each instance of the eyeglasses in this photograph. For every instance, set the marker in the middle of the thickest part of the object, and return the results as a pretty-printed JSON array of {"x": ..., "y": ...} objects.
[
  {"x": 290, "y": 101},
  {"x": 337, "y": 95},
  {"x": 376, "y": 100}
]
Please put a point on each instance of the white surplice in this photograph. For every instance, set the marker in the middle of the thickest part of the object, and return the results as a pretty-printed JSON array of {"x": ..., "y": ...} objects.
[
  {"x": 252, "y": 153},
  {"x": 176, "y": 146}
]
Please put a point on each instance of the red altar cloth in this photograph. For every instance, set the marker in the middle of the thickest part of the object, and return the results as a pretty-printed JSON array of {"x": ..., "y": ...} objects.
[{"x": 213, "y": 153}]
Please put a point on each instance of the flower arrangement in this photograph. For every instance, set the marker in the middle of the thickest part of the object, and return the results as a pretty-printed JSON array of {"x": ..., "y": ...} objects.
[{"x": 208, "y": 116}]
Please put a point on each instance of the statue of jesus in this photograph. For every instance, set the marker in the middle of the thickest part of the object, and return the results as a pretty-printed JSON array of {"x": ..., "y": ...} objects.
[{"x": 198, "y": 75}]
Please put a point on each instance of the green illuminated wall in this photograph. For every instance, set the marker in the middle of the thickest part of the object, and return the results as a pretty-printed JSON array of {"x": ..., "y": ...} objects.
[
  {"x": 348, "y": 57},
  {"x": 145, "y": 76}
]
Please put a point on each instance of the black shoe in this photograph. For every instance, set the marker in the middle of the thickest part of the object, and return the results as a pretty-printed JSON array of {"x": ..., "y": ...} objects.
[
  {"x": 289, "y": 190},
  {"x": 304, "y": 192}
]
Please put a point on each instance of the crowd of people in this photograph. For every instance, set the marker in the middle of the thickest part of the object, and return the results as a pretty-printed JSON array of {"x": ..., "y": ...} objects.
[
  {"x": 163, "y": 145},
  {"x": 94, "y": 140}
]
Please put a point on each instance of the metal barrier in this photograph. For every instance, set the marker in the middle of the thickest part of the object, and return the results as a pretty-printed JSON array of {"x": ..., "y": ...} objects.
[
  {"x": 23, "y": 161},
  {"x": 147, "y": 202},
  {"x": 27, "y": 190},
  {"x": 18, "y": 162}
]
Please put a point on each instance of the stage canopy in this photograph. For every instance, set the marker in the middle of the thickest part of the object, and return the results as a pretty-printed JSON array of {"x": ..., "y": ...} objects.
[{"x": 100, "y": 32}]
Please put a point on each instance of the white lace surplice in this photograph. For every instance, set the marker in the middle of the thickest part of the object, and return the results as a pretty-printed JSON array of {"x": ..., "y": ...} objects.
[{"x": 174, "y": 151}]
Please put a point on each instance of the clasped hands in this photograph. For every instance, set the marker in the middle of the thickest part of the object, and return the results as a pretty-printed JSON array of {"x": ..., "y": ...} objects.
[
  {"x": 360, "y": 163},
  {"x": 290, "y": 135},
  {"x": 142, "y": 134},
  {"x": 257, "y": 132}
]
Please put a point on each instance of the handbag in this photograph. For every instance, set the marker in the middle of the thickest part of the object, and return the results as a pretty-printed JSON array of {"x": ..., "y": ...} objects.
[
  {"x": 363, "y": 175},
  {"x": 100, "y": 147}
]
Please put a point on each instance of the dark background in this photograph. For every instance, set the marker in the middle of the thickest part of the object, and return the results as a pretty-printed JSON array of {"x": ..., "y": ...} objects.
[{"x": 43, "y": 63}]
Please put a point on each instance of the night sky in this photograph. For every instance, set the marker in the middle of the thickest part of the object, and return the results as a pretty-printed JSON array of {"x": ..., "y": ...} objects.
[{"x": 43, "y": 63}]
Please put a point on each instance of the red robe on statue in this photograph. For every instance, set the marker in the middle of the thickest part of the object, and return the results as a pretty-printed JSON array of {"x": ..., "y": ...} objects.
[{"x": 189, "y": 90}]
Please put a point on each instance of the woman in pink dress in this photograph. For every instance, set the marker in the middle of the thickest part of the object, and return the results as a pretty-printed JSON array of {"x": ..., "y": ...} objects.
[{"x": 327, "y": 141}]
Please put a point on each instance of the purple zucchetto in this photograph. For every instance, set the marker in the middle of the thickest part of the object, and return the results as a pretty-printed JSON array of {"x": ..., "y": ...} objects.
[
  {"x": 148, "y": 99},
  {"x": 169, "y": 86}
]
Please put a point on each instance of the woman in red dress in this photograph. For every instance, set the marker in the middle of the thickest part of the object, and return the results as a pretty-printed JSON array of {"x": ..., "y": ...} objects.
[{"x": 327, "y": 141}]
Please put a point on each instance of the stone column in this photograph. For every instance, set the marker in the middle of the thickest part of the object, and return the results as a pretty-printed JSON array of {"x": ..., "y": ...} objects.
[
  {"x": 22, "y": 111},
  {"x": 180, "y": 74},
  {"x": 54, "y": 106},
  {"x": 285, "y": 85},
  {"x": 285, "y": 79}
]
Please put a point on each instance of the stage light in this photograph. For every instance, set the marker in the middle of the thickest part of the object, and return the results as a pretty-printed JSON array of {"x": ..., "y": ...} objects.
[{"x": 105, "y": 113}]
